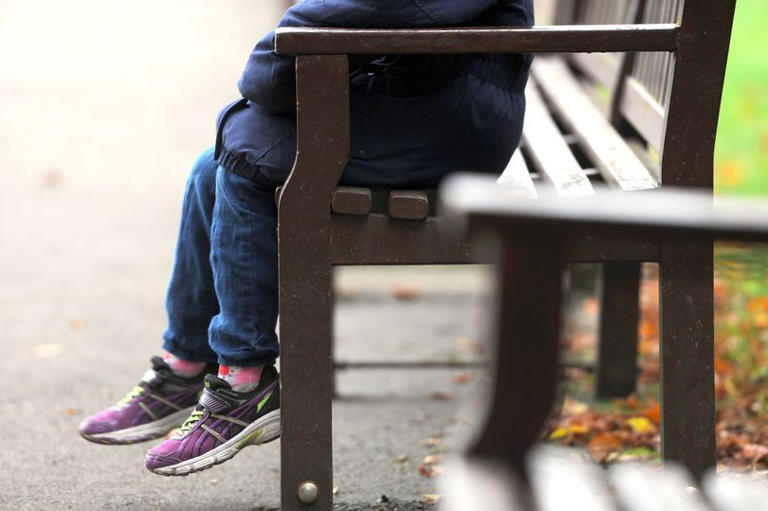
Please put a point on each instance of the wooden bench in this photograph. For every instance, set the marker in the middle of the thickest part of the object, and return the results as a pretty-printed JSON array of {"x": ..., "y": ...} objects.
[
  {"x": 321, "y": 225},
  {"x": 535, "y": 239}
]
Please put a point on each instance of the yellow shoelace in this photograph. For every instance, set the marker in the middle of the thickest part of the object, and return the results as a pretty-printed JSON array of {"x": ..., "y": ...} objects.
[
  {"x": 191, "y": 421},
  {"x": 135, "y": 392}
]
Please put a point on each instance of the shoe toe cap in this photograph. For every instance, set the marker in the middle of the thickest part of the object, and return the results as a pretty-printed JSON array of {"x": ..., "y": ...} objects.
[
  {"x": 94, "y": 426},
  {"x": 163, "y": 455}
]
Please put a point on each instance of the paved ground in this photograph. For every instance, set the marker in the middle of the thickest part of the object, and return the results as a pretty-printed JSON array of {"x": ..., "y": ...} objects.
[{"x": 103, "y": 106}]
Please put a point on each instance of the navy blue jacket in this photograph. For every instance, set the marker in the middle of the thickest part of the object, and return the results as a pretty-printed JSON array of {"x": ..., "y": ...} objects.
[{"x": 413, "y": 118}]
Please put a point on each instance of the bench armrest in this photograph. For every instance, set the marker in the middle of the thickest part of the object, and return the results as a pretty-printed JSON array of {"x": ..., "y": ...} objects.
[{"x": 540, "y": 39}]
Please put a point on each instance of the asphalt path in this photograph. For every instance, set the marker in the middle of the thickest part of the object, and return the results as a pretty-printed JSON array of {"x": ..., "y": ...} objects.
[{"x": 103, "y": 107}]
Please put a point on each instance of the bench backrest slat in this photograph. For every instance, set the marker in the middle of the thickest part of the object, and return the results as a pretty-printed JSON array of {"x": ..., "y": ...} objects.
[
  {"x": 638, "y": 84},
  {"x": 599, "y": 67},
  {"x": 645, "y": 90}
]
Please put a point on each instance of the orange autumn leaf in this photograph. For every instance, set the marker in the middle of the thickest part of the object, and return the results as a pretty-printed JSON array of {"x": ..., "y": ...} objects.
[
  {"x": 404, "y": 292},
  {"x": 427, "y": 470},
  {"x": 722, "y": 366},
  {"x": 648, "y": 329},
  {"x": 719, "y": 293},
  {"x": 591, "y": 307},
  {"x": 649, "y": 346},
  {"x": 605, "y": 441},
  {"x": 602, "y": 445},
  {"x": 632, "y": 402},
  {"x": 760, "y": 320},
  {"x": 652, "y": 412}
]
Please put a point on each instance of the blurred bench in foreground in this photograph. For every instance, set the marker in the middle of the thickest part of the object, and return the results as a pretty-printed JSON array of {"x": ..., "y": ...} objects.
[{"x": 534, "y": 239}]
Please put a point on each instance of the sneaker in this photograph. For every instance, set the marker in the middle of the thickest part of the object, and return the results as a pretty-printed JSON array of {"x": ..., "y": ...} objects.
[
  {"x": 223, "y": 423},
  {"x": 154, "y": 407}
]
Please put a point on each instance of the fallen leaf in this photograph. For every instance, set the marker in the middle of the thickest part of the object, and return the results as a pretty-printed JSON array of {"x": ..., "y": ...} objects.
[
  {"x": 754, "y": 452},
  {"x": 652, "y": 412},
  {"x": 336, "y": 490},
  {"x": 641, "y": 425},
  {"x": 432, "y": 459},
  {"x": 602, "y": 445},
  {"x": 722, "y": 366},
  {"x": 403, "y": 458},
  {"x": 403, "y": 292},
  {"x": 214, "y": 482},
  {"x": 441, "y": 396},
  {"x": 462, "y": 377},
  {"x": 430, "y": 497},
  {"x": 558, "y": 434},
  {"x": 649, "y": 330},
  {"x": 574, "y": 407},
  {"x": 731, "y": 388},
  {"x": 637, "y": 453},
  {"x": 71, "y": 411},
  {"x": 434, "y": 441},
  {"x": 591, "y": 307},
  {"x": 578, "y": 429},
  {"x": 427, "y": 470}
]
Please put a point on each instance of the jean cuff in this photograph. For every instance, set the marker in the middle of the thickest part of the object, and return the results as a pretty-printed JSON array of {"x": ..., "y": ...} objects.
[{"x": 247, "y": 362}]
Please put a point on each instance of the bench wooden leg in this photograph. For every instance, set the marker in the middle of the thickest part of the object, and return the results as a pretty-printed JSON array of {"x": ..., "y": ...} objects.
[
  {"x": 527, "y": 341},
  {"x": 687, "y": 355},
  {"x": 619, "y": 288},
  {"x": 306, "y": 305},
  {"x": 306, "y": 390}
]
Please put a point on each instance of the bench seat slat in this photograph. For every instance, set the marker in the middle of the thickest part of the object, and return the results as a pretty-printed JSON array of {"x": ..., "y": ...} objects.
[
  {"x": 610, "y": 153},
  {"x": 549, "y": 150},
  {"x": 350, "y": 200},
  {"x": 517, "y": 179},
  {"x": 408, "y": 204}
]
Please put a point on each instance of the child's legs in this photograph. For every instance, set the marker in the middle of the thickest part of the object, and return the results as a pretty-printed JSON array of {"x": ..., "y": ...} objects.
[
  {"x": 191, "y": 300},
  {"x": 244, "y": 262}
]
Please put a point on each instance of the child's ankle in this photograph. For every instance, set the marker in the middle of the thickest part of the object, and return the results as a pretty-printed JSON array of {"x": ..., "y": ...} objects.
[
  {"x": 181, "y": 367},
  {"x": 241, "y": 379}
]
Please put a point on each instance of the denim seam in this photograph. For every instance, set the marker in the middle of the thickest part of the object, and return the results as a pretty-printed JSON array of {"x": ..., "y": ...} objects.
[{"x": 425, "y": 13}]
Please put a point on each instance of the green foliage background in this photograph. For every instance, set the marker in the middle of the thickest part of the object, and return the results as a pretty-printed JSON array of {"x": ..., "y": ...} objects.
[{"x": 741, "y": 162}]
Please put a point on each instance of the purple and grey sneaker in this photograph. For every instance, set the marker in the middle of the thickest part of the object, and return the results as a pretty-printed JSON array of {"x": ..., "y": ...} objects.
[
  {"x": 154, "y": 407},
  {"x": 223, "y": 423}
]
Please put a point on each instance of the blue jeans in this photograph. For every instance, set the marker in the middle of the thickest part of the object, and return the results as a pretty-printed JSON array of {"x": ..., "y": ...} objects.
[{"x": 222, "y": 299}]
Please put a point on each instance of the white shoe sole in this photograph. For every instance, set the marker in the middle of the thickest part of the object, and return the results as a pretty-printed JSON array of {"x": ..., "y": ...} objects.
[
  {"x": 261, "y": 431},
  {"x": 144, "y": 432}
]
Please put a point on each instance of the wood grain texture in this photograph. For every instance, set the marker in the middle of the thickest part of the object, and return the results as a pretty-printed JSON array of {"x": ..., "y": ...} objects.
[
  {"x": 546, "y": 39},
  {"x": 603, "y": 144},
  {"x": 408, "y": 204},
  {"x": 549, "y": 151},
  {"x": 517, "y": 179},
  {"x": 350, "y": 200}
]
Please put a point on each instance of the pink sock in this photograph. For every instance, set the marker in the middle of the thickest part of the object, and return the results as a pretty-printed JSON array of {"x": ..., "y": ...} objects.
[
  {"x": 241, "y": 379},
  {"x": 183, "y": 368}
]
